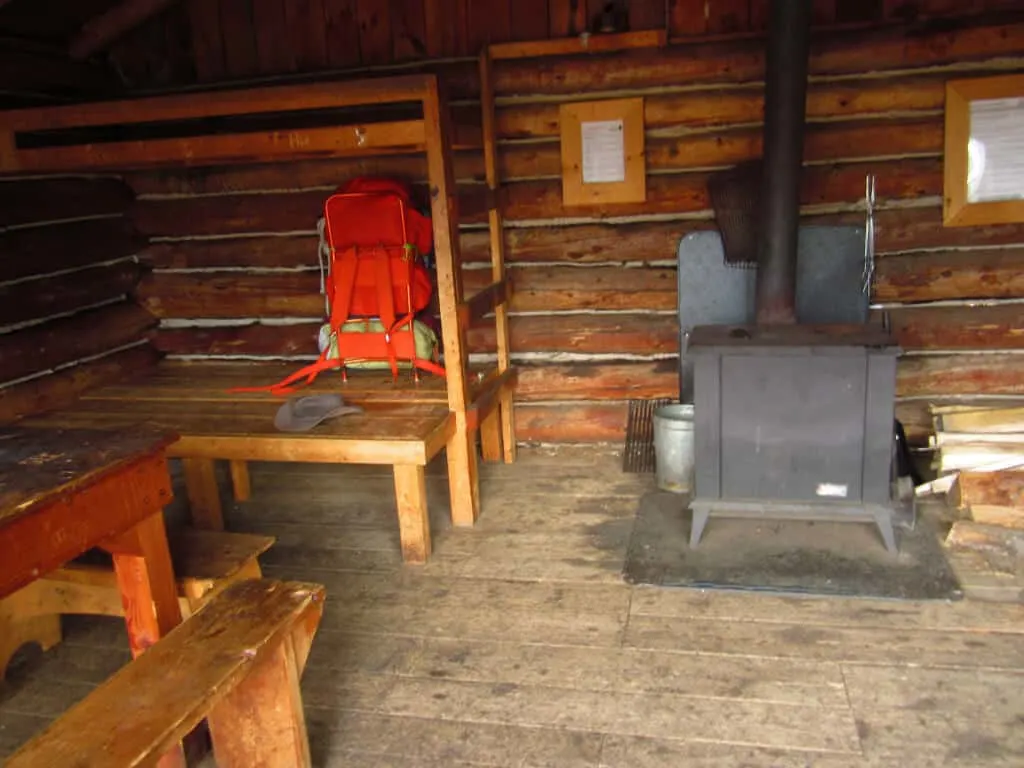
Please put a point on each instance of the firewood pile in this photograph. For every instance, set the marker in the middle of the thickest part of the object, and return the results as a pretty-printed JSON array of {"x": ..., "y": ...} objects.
[{"x": 982, "y": 451}]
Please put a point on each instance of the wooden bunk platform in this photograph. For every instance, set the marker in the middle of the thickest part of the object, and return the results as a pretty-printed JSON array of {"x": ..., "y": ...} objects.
[{"x": 404, "y": 425}]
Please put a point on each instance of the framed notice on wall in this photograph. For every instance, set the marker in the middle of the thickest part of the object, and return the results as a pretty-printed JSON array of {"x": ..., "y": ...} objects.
[
  {"x": 984, "y": 158},
  {"x": 603, "y": 152}
]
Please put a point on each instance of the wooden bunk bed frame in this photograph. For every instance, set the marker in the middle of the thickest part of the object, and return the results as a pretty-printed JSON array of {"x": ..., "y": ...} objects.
[{"x": 404, "y": 426}]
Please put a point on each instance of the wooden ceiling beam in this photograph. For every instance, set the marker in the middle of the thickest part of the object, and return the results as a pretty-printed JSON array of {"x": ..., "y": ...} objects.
[{"x": 96, "y": 34}]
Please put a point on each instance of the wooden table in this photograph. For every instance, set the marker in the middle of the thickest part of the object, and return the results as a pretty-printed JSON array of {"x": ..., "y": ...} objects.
[{"x": 65, "y": 491}]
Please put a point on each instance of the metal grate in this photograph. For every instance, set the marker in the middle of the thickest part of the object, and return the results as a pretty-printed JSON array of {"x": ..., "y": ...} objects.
[{"x": 638, "y": 454}]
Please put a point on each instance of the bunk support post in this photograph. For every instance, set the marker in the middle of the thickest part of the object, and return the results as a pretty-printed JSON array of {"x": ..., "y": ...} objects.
[
  {"x": 506, "y": 440},
  {"x": 463, "y": 478}
]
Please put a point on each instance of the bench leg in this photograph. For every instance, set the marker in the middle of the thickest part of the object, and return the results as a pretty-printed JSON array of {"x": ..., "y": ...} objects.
[
  {"x": 203, "y": 494},
  {"x": 490, "y": 435},
  {"x": 261, "y": 724},
  {"x": 413, "y": 520},
  {"x": 240, "y": 480},
  {"x": 463, "y": 480},
  {"x": 145, "y": 577}
]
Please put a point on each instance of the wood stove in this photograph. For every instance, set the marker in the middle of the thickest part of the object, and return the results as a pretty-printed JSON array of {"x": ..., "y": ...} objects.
[{"x": 791, "y": 421}]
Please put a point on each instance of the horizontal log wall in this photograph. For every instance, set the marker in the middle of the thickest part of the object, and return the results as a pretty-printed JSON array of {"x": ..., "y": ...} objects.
[
  {"x": 594, "y": 299},
  {"x": 67, "y": 270}
]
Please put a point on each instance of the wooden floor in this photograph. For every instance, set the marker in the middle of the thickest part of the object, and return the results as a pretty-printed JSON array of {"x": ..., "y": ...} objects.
[{"x": 519, "y": 645}]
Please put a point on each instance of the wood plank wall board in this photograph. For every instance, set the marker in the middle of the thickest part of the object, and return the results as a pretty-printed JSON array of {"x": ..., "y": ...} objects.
[
  {"x": 567, "y": 18},
  {"x": 594, "y": 291},
  {"x": 207, "y": 40},
  {"x": 241, "y": 56},
  {"x": 341, "y": 32},
  {"x": 688, "y": 17},
  {"x": 409, "y": 30},
  {"x": 530, "y": 20},
  {"x": 305, "y": 29},
  {"x": 375, "y": 44},
  {"x": 273, "y": 45},
  {"x": 445, "y": 28},
  {"x": 647, "y": 14}
]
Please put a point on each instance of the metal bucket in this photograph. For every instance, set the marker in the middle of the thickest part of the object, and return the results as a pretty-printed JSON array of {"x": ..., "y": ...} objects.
[{"x": 673, "y": 447}]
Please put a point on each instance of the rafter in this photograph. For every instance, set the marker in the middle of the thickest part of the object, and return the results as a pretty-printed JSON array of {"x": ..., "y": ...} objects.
[{"x": 99, "y": 32}]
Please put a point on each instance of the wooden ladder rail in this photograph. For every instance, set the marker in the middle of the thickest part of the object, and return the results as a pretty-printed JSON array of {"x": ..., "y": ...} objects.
[
  {"x": 496, "y": 228},
  {"x": 463, "y": 469}
]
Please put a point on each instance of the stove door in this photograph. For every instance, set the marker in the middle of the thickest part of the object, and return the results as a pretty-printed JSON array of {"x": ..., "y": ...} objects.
[{"x": 793, "y": 426}]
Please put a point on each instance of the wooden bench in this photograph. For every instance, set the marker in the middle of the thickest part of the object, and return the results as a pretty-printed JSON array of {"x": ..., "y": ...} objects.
[
  {"x": 405, "y": 425},
  {"x": 205, "y": 563},
  {"x": 236, "y": 663}
]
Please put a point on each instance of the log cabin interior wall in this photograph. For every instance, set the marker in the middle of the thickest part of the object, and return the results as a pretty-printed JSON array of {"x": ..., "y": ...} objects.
[
  {"x": 67, "y": 272},
  {"x": 233, "y": 250}
]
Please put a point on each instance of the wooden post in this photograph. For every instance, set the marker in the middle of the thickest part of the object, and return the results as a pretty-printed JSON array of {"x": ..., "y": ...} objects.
[
  {"x": 490, "y": 435},
  {"x": 261, "y": 723},
  {"x": 203, "y": 494},
  {"x": 461, "y": 450},
  {"x": 413, "y": 520},
  {"x": 240, "y": 480},
  {"x": 497, "y": 240}
]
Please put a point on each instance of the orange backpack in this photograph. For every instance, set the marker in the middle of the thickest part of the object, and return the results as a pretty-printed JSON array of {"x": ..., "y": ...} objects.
[{"x": 374, "y": 240}]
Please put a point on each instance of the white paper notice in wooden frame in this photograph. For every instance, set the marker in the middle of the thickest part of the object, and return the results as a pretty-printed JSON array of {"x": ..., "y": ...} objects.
[
  {"x": 603, "y": 152},
  {"x": 984, "y": 159}
]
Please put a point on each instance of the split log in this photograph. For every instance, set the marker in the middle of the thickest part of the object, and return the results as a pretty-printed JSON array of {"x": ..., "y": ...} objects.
[
  {"x": 260, "y": 252},
  {"x": 571, "y": 422},
  {"x": 704, "y": 109},
  {"x": 60, "y": 389},
  {"x": 958, "y": 327},
  {"x": 532, "y": 200},
  {"x": 21, "y": 302},
  {"x": 598, "y": 381},
  {"x": 251, "y": 339},
  {"x": 52, "y": 248},
  {"x": 228, "y": 214},
  {"x": 540, "y": 289},
  {"x": 1002, "y": 489},
  {"x": 688, "y": 193},
  {"x": 210, "y": 295},
  {"x": 916, "y": 415},
  {"x": 938, "y": 375},
  {"x": 86, "y": 334},
  {"x": 231, "y": 295},
  {"x": 743, "y": 62},
  {"x": 986, "y": 539},
  {"x": 640, "y": 334},
  {"x": 976, "y": 274},
  {"x": 581, "y": 334},
  {"x": 41, "y": 200},
  {"x": 922, "y": 228},
  {"x": 992, "y": 419}
]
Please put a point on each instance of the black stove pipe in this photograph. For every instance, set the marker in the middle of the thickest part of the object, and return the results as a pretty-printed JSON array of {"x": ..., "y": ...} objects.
[{"x": 784, "y": 114}]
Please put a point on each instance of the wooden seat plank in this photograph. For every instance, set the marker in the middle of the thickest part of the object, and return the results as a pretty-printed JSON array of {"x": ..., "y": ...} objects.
[{"x": 150, "y": 705}]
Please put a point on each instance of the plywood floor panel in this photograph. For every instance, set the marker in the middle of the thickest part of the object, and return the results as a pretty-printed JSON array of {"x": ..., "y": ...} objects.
[{"x": 519, "y": 645}]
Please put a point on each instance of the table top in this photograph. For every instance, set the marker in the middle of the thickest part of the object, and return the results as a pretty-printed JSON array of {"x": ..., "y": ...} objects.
[{"x": 39, "y": 466}]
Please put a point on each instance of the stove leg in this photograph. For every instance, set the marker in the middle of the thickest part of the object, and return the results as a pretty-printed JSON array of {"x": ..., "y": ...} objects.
[
  {"x": 700, "y": 519},
  {"x": 884, "y": 523}
]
